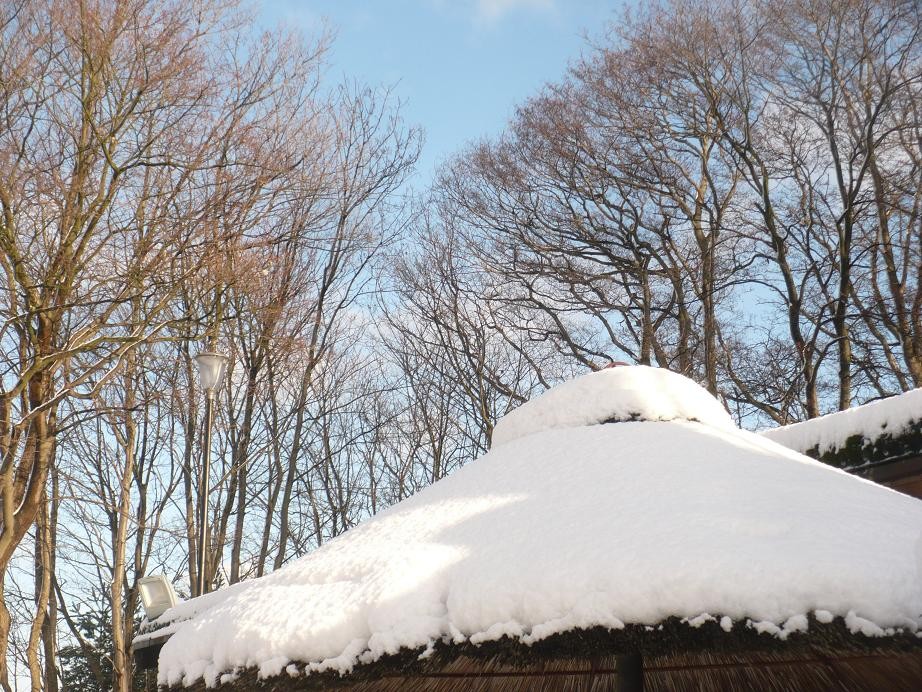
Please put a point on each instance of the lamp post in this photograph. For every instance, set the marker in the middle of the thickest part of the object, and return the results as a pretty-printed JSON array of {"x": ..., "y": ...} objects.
[{"x": 211, "y": 371}]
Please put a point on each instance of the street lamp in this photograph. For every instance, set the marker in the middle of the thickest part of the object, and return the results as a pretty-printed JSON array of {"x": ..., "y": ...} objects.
[{"x": 211, "y": 371}]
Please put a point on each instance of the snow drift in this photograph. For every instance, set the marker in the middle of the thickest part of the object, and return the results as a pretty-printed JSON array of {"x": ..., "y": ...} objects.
[{"x": 569, "y": 525}]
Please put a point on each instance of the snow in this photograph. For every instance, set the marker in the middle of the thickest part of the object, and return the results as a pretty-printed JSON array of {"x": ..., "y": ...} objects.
[
  {"x": 621, "y": 393},
  {"x": 824, "y": 616},
  {"x": 765, "y": 627},
  {"x": 795, "y": 623},
  {"x": 571, "y": 526},
  {"x": 699, "y": 620},
  {"x": 892, "y": 415},
  {"x": 170, "y": 621},
  {"x": 863, "y": 625}
]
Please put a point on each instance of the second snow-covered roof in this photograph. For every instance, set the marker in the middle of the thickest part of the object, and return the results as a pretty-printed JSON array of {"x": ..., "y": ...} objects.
[{"x": 891, "y": 416}]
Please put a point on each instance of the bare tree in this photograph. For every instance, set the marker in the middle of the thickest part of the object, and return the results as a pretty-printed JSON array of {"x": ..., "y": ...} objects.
[{"x": 122, "y": 125}]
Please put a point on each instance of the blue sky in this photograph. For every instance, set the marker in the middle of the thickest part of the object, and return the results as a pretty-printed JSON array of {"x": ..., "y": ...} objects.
[{"x": 459, "y": 66}]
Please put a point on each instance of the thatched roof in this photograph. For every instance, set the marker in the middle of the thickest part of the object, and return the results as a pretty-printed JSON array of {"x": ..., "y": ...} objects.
[
  {"x": 591, "y": 540},
  {"x": 859, "y": 437},
  {"x": 675, "y": 656}
]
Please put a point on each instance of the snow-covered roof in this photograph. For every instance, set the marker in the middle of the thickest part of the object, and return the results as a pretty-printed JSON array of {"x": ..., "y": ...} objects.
[
  {"x": 614, "y": 394},
  {"x": 892, "y": 416},
  {"x": 154, "y": 631},
  {"x": 568, "y": 526}
]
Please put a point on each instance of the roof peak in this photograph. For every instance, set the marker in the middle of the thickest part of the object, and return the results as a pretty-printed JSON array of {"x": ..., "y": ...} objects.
[{"x": 624, "y": 393}]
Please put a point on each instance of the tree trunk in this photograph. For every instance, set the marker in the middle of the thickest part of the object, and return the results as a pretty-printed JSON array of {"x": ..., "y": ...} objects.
[
  {"x": 4, "y": 629},
  {"x": 49, "y": 629},
  {"x": 43, "y": 577},
  {"x": 121, "y": 643}
]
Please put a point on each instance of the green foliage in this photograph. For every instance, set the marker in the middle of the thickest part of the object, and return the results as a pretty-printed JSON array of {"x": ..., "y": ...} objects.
[{"x": 90, "y": 670}]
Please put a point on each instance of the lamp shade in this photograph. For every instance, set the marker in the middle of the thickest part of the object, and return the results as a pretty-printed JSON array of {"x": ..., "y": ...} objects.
[
  {"x": 211, "y": 369},
  {"x": 157, "y": 595}
]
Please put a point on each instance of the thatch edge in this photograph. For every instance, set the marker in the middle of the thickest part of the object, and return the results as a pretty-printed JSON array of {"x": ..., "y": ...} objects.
[{"x": 672, "y": 637}]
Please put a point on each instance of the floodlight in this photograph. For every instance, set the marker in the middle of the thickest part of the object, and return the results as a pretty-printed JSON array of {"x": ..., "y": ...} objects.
[{"x": 157, "y": 595}]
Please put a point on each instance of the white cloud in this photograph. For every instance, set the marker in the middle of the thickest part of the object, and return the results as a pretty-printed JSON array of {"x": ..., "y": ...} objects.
[
  {"x": 488, "y": 13},
  {"x": 491, "y": 11}
]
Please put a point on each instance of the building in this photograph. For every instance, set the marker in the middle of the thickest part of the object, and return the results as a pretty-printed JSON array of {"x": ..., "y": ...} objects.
[
  {"x": 622, "y": 533},
  {"x": 881, "y": 441}
]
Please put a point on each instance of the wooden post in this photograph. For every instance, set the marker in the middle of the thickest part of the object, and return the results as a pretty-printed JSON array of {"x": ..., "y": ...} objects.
[{"x": 629, "y": 673}]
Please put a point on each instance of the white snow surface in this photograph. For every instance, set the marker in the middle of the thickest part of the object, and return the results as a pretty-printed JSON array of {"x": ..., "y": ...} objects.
[
  {"x": 626, "y": 392},
  {"x": 573, "y": 527},
  {"x": 891, "y": 415}
]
